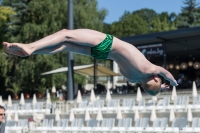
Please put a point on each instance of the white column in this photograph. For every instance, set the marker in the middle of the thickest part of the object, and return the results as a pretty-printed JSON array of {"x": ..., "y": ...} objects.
[{"x": 115, "y": 69}]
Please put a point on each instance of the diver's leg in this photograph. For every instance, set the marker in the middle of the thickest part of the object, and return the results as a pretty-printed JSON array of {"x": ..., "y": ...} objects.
[
  {"x": 83, "y": 37},
  {"x": 65, "y": 46}
]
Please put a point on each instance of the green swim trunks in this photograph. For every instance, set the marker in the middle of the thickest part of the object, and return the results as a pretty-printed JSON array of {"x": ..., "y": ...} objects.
[{"x": 101, "y": 51}]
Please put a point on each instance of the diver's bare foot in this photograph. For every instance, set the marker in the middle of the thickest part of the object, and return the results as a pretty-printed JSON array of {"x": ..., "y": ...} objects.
[{"x": 17, "y": 49}]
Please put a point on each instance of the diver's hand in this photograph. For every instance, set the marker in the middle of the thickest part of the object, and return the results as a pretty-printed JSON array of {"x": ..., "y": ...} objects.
[
  {"x": 167, "y": 75},
  {"x": 165, "y": 87},
  {"x": 173, "y": 83}
]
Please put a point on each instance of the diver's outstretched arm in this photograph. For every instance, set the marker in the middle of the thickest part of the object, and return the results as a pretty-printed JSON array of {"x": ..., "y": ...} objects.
[{"x": 167, "y": 75}]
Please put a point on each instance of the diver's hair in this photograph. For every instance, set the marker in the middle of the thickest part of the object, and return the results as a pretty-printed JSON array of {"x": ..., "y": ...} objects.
[
  {"x": 153, "y": 89},
  {"x": 1, "y": 107}
]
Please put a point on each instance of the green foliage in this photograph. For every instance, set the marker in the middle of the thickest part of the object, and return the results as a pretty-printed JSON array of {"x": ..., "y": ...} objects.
[
  {"x": 190, "y": 15},
  {"x": 5, "y": 68},
  {"x": 106, "y": 28},
  {"x": 15, "y": 88},
  {"x": 41, "y": 90},
  {"x": 141, "y": 22},
  {"x": 146, "y": 14},
  {"x": 4, "y": 65},
  {"x": 36, "y": 19},
  {"x": 5, "y": 13},
  {"x": 163, "y": 22},
  {"x": 129, "y": 25},
  {"x": 87, "y": 15}
]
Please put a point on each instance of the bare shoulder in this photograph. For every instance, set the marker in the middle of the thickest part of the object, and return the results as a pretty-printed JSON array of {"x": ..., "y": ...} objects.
[
  {"x": 159, "y": 70},
  {"x": 153, "y": 69}
]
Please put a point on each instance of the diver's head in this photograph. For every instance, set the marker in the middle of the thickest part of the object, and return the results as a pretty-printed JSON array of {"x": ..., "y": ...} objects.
[{"x": 151, "y": 85}]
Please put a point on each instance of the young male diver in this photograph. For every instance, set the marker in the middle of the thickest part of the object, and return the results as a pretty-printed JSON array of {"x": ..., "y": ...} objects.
[{"x": 132, "y": 63}]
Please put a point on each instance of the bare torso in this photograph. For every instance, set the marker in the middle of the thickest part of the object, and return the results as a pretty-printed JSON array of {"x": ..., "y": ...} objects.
[{"x": 133, "y": 64}]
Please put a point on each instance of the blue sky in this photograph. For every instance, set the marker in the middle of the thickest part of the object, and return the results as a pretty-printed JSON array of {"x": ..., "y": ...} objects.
[{"x": 116, "y": 8}]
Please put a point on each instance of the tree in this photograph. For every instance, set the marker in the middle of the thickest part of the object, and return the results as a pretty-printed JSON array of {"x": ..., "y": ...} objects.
[
  {"x": 146, "y": 14},
  {"x": 190, "y": 15},
  {"x": 171, "y": 18},
  {"x": 5, "y": 69},
  {"x": 157, "y": 22},
  {"x": 14, "y": 26},
  {"x": 106, "y": 28},
  {"x": 87, "y": 15},
  {"x": 163, "y": 22},
  {"x": 129, "y": 25},
  {"x": 36, "y": 19},
  {"x": 5, "y": 13}
]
